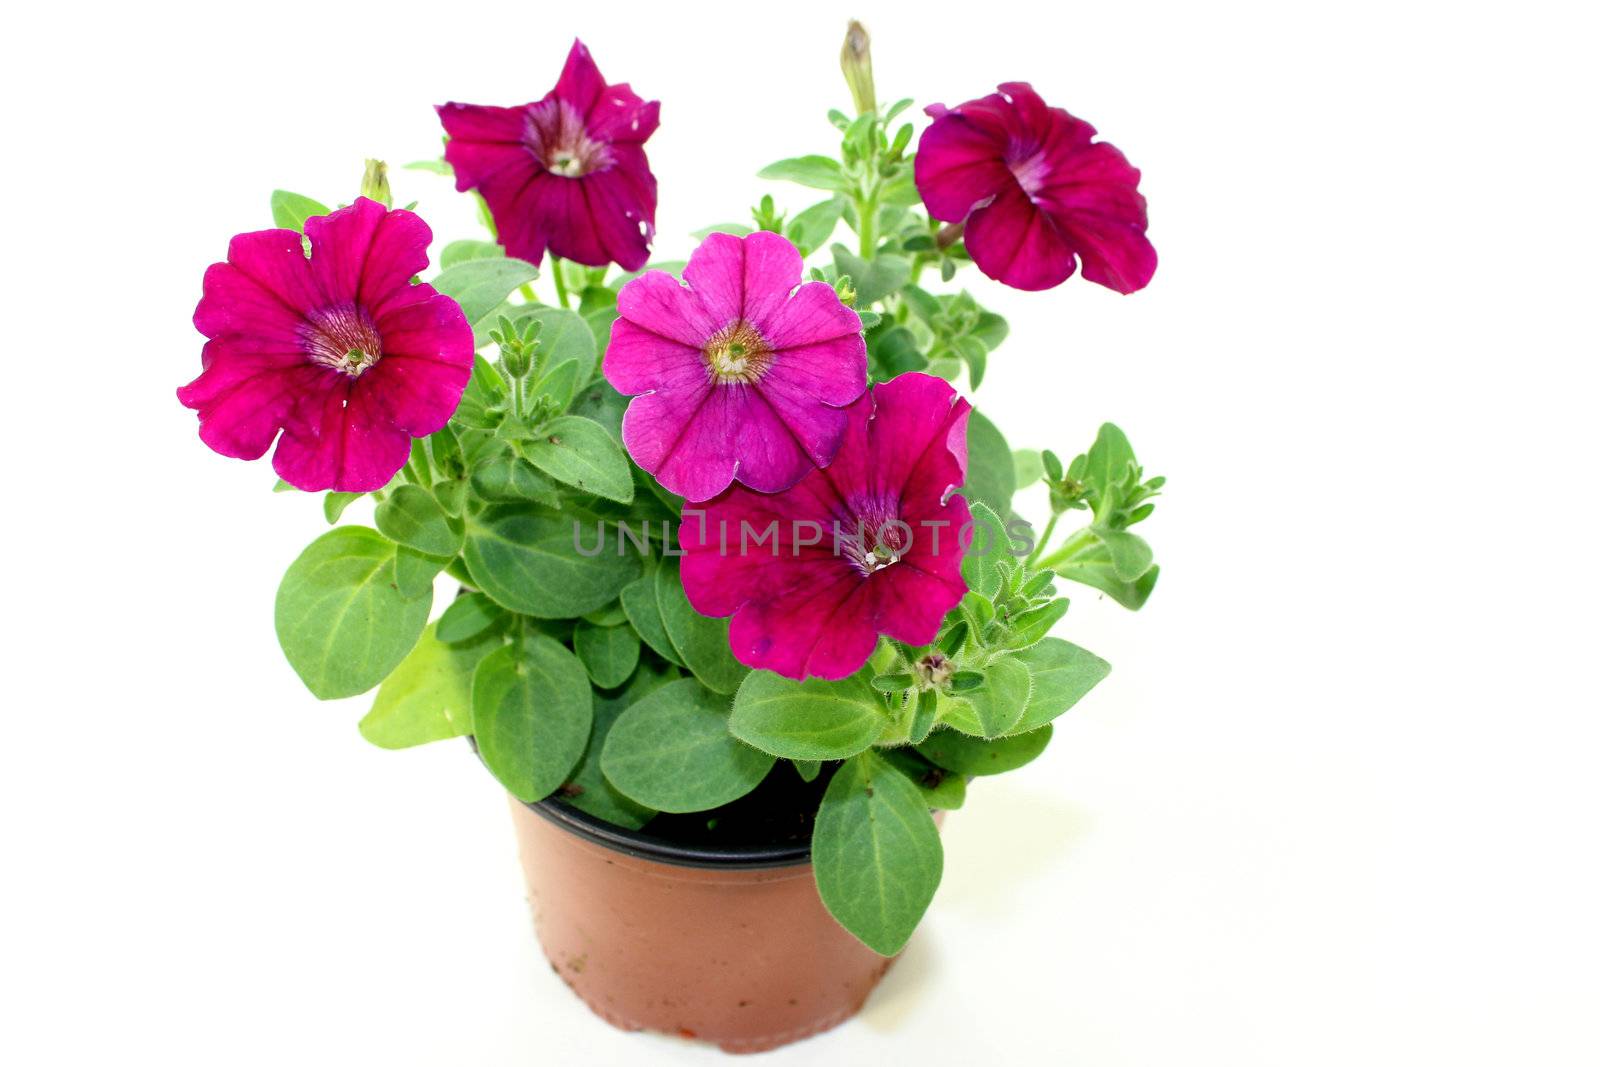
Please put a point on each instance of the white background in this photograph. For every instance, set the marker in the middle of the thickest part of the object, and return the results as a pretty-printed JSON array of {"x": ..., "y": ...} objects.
[{"x": 1335, "y": 805}]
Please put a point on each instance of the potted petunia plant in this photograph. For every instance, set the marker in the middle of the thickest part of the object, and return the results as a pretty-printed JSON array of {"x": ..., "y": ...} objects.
[{"x": 739, "y": 603}]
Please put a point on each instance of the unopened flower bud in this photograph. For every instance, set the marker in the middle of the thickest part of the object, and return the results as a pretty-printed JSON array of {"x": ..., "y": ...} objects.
[
  {"x": 375, "y": 182},
  {"x": 855, "y": 59}
]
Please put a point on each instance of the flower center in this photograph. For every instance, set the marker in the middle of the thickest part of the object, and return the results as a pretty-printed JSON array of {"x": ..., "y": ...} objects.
[
  {"x": 880, "y": 540},
  {"x": 1030, "y": 168},
  {"x": 737, "y": 353},
  {"x": 557, "y": 138},
  {"x": 342, "y": 337}
]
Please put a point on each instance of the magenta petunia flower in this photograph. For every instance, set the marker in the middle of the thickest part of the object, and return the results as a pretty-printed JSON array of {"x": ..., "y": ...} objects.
[
  {"x": 1035, "y": 193},
  {"x": 339, "y": 350},
  {"x": 567, "y": 173},
  {"x": 870, "y": 545},
  {"x": 745, "y": 373}
]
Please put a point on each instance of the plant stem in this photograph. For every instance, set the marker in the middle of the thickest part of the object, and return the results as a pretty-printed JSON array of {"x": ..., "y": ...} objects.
[
  {"x": 561, "y": 286},
  {"x": 528, "y": 294},
  {"x": 1044, "y": 538},
  {"x": 1072, "y": 546},
  {"x": 867, "y": 225}
]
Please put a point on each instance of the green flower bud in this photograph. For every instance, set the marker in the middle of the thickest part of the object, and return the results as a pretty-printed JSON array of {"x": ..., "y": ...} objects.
[
  {"x": 855, "y": 59},
  {"x": 375, "y": 183}
]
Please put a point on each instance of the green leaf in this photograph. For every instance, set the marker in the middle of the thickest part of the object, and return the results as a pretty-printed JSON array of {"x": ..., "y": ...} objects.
[
  {"x": 482, "y": 285},
  {"x": 531, "y": 712},
  {"x": 558, "y": 384},
  {"x": 609, "y": 653},
  {"x": 1027, "y": 466},
  {"x": 811, "y": 229},
  {"x": 970, "y": 755},
  {"x": 999, "y": 704},
  {"x": 873, "y": 280},
  {"x": 941, "y": 789},
  {"x": 816, "y": 172},
  {"x": 586, "y": 787},
  {"x": 411, "y": 516},
  {"x": 811, "y": 719},
  {"x": 991, "y": 478},
  {"x": 429, "y": 695},
  {"x": 458, "y": 252},
  {"x": 1130, "y": 555},
  {"x": 980, "y": 566},
  {"x": 333, "y": 505},
  {"x": 1062, "y": 674},
  {"x": 1095, "y": 569},
  {"x": 432, "y": 166},
  {"x": 807, "y": 769},
  {"x": 738, "y": 229},
  {"x": 603, "y": 404},
  {"x": 876, "y": 853},
  {"x": 505, "y": 477},
  {"x": 341, "y": 621},
  {"x": 991, "y": 330},
  {"x": 925, "y": 715},
  {"x": 468, "y": 616},
  {"x": 579, "y": 452},
  {"x": 415, "y": 571},
  {"x": 1031, "y": 626},
  {"x": 701, "y": 643},
  {"x": 525, "y": 560},
  {"x": 894, "y": 352},
  {"x": 639, "y": 604},
  {"x": 672, "y": 751},
  {"x": 974, "y": 355},
  {"x": 1109, "y": 460},
  {"x": 290, "y": 210}
]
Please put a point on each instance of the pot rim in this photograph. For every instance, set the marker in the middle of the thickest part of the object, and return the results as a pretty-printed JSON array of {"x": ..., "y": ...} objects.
[{"x": 659, "y": 849}]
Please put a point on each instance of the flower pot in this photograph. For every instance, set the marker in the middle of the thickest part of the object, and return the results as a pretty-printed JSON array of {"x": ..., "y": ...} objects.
[{"x": 728, "y": 945}]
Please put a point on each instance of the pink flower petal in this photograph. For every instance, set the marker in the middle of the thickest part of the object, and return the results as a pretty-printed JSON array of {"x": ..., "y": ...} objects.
[
  {"x": 1012, "y": 241},
  {"x": 581, "y": 83},
  {"x": 349, "y": 446}
]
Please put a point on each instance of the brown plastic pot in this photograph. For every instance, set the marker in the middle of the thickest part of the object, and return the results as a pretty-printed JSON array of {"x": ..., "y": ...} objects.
[{"x": 728, "y": 946}]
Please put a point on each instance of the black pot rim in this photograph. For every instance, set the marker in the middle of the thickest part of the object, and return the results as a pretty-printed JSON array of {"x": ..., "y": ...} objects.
[{"x": 659, "y": 849}]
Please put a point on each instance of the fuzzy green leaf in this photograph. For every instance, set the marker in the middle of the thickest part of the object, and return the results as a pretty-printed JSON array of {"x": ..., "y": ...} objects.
[
  {"x": 342, "y": 621},
  {"x": 290, "y": 210},
  {"x": 609, "y": 653},
  {"x": 672, "y": 751},
  {"x": 1062, "y": 674},
  {"x": 482, "y": 285},
  {"x": 531, "y": 712},
  {"x": 701, "y": 643},
  {"x": 971, "y": 755},
  {"x": 580, "y": 453},
  {"x": 412, "y": 516},
  {"x": 812, "y": 719},
  {"x": 816, "y": 172},
  {"x": 876, "y": 853},
  {"x": 525, "y": 560},
  {"x": 428, "y": 697}
]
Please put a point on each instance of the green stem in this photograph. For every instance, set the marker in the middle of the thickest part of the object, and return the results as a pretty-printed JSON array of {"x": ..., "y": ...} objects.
[
  {"x": 528, "y": 295},
  {"x": 867, "y": 225},
  {"x": 561, "y": 286},
  {"x": 1079, "y": 541},
  {"x": 1044, "y": 538}
]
